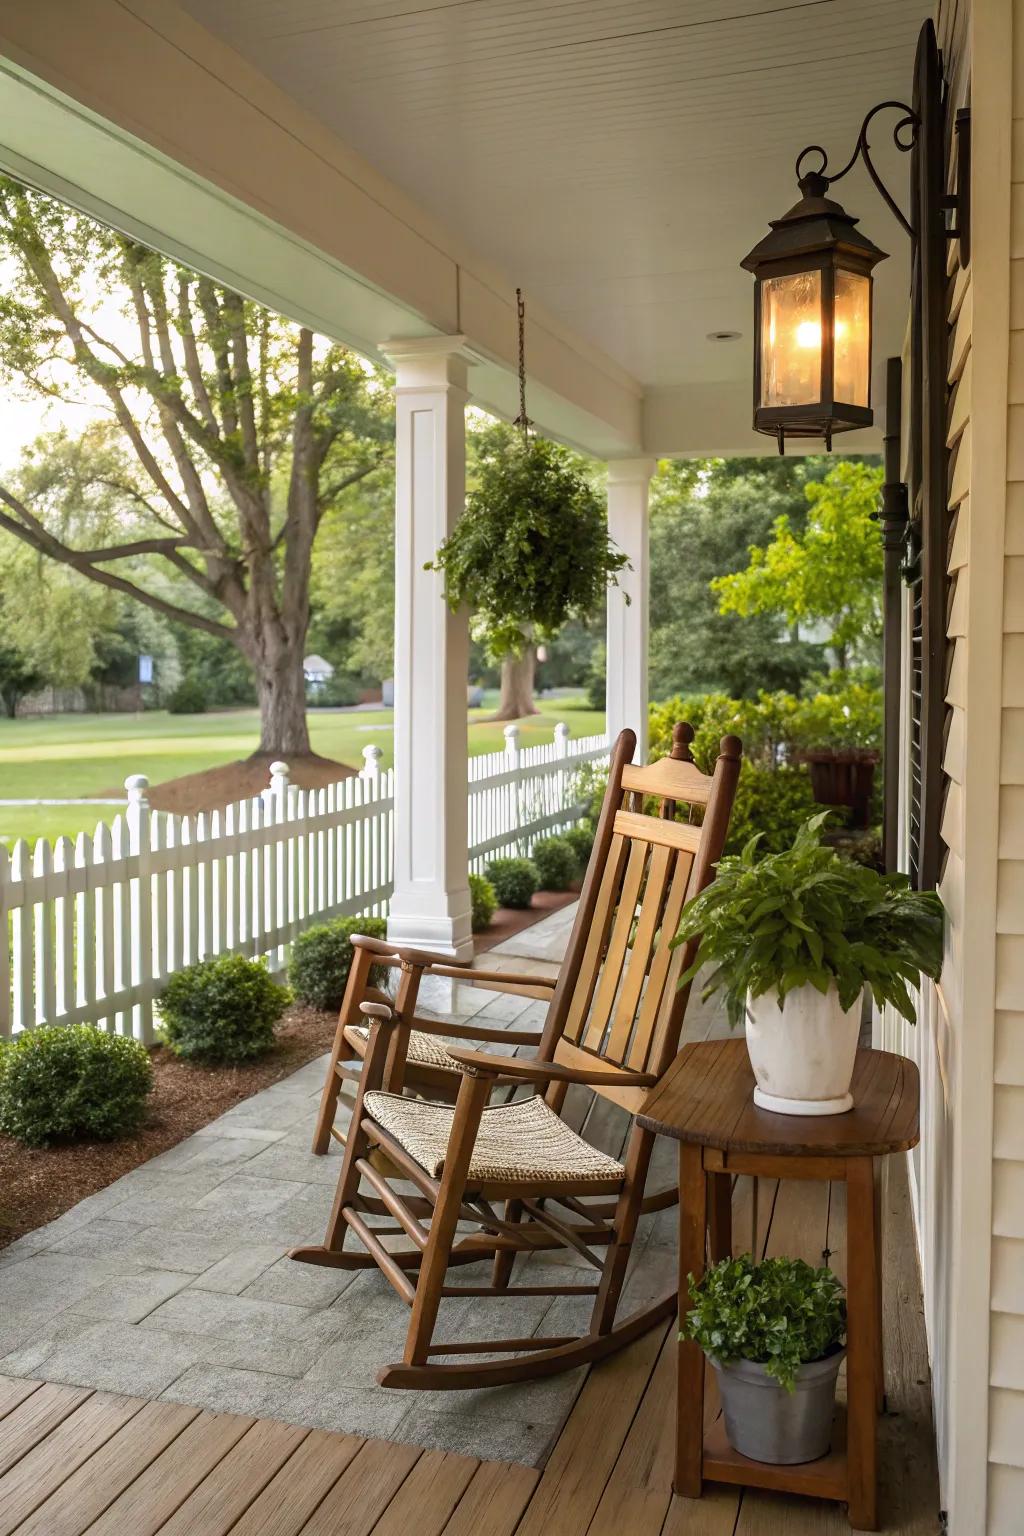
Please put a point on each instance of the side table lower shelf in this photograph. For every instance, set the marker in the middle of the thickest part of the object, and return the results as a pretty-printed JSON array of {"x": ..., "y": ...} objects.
[{"x": 825, "y": 1478}]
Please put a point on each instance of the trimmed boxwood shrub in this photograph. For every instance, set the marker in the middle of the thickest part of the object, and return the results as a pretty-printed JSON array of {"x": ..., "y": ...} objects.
[
  {"x": 556, "y": 863},
  {"x": 62, "y": 1081},
  {"x": 580, "y": 838},
  {"x": 322, "y": 958},
  {"x": 223, "y": 1010},
  {"x": 514, "y": 881},
  {"x": 484, "y": 900}
]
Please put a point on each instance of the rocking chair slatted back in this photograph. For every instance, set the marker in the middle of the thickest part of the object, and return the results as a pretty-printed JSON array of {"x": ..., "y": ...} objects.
[{"x": 618, "y": 997}]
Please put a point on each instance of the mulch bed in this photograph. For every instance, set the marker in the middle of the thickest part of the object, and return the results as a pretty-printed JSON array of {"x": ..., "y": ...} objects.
[
  {"x": 214, "y": 788},
  {"x": 39, "y": 1184},
  {"x": 508, "y": 921}
]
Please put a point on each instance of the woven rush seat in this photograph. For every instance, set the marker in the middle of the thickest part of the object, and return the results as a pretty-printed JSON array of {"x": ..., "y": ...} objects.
[
  {"x": 522, "y": 1141},
  {"x": 424, "y": 1050}
]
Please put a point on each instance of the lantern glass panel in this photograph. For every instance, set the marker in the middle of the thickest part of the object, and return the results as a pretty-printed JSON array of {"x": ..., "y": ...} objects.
[
  {"x": 791, "y": 339},
  {"x": 852, "y": 338}
]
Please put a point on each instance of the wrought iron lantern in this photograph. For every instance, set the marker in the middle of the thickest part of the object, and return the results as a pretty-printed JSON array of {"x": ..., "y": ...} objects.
[{"x": 812, "y": 317}]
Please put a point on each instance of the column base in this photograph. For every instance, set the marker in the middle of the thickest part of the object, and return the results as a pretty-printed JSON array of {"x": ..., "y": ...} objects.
[{"x": 450, "y": 938}]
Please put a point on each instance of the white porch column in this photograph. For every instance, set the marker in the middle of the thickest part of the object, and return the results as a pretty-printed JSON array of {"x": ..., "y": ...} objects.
[
  {"x": 430, "y": 908},
  {"x": 628, "y": 484}
]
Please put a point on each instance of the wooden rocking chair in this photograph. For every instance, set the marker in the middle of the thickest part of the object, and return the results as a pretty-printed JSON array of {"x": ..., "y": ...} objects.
[{"x": 613, "y": 1025}]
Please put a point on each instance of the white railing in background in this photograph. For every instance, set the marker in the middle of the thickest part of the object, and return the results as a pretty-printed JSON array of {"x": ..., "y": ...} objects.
[
  {"x": 95, "y": 927},
  {"x": 524, "y": 793}
]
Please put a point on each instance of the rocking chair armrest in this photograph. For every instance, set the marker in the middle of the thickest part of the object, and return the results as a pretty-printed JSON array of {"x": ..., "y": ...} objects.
[
  {"x": 393, "y": 954},
  {"x": 384, "y": 1013},
  {"x": 483, "y": 1064},
  {"x": 500, "y": 981}
]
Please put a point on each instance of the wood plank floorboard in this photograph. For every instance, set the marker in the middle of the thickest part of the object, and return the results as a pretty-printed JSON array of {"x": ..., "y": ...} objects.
[{"x": 78, "y": 1463}]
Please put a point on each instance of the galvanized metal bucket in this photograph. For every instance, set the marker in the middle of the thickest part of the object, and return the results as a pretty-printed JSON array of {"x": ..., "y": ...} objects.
[{"x": 767, "y": 1423}]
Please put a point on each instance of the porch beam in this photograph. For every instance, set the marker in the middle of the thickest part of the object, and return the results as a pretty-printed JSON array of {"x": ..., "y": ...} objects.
[
  {"x": 430, "y": 907},
  {"x": 628, "y": 617}
]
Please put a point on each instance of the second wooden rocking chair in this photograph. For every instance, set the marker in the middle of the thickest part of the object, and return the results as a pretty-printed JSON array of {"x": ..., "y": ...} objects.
[{"x": 613, "y": 1025}]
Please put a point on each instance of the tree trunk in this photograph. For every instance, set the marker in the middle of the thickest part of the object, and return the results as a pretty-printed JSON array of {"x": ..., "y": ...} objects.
[
  {"x": 281, "y": 686},
  {"x": 517, "y": 686}
]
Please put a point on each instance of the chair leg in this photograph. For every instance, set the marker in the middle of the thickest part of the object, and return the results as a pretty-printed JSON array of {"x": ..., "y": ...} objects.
[
  {"x": 627, "y": 1214},
  {"x": 505, "y": 1258},
  {"x": 356, "y": 1142},
  {"x": 358, "y": 978},
  {"x": 465, "y": 1123}
]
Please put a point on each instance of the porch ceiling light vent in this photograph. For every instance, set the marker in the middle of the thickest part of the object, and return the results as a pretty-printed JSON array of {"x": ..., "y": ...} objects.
[{"x": 812, "y": 298}]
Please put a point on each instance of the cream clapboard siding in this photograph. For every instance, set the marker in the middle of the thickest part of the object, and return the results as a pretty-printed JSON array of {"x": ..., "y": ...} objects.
[
  {"x": 1006, "y": 1409},
  {"x": 968, "y": 1173}
]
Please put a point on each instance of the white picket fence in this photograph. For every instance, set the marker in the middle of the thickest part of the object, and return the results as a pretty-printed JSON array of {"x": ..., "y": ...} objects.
[{"x": 94, "y": 928}]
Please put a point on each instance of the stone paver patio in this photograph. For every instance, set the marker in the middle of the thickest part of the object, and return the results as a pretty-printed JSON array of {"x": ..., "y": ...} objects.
[{"x": 173, "y": 1282}]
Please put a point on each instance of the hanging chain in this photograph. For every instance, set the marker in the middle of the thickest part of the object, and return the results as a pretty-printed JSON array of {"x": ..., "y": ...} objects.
[{"x": 522, "y": 421}]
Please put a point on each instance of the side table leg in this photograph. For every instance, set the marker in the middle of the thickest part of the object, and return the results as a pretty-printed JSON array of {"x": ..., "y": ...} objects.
[
  {"x": 864, "y": 1325},
  {"x": 720, "y": 1216},
  {"x": 693, "y": 1217},
  {"x": 880, "y": 1172}
]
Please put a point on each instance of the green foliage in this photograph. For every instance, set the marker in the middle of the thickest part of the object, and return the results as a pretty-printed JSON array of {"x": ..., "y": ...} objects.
[
  {"x": 588, "y": 788},
  {"x": 845, "y": 712},
  {"x": 514, "y": 881},
  {"x": 580, "y": 837},
  {"x": 321, "y": 959},
  {"x": 484, "y": 902},
  {"x": 222, "y": 1011},
  {"x": 809, "y": 917},
  {"x": 335, "y": 692},
  {"x": 780, "y": 1313},
  {"x": 19, "y": 676},
  {"x": 72, "y": 1080},
  {"x": 705, "y": 514},
  {"x": 189, "y": 698},
  {"x": 531, "y": 549},
  {"x": 830, "y": 572},
  {"x": 771, "y": 804},
  {"x": 556, "y": 863},
  {"x": 353, "y": 581}
]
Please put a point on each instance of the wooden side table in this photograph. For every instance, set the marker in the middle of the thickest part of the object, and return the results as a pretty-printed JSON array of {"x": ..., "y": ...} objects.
[{"x": 705, "y": 1101}]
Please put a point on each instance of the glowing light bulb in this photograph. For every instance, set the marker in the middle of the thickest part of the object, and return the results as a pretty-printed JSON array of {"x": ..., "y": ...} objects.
[{"x": 808, "y": 334}]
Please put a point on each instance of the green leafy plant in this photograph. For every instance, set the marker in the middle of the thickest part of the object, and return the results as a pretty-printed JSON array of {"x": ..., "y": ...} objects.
[
  {"x": 222, "y": 1010},
  {"x": 556, "y": 863},
  {"x": 531, "y": 549},
  {"x": 322, "y": 958},
  {"x": 71, "y": 1080},
  {"x": 808, "y": 917},
  {"x": 771, "y": 804},
  {"x": 580, "y": 837},
  {"x": 514, "y": 881},
  {"x": 484, "y": 902},
  {"x": 781, "y": 1313}
]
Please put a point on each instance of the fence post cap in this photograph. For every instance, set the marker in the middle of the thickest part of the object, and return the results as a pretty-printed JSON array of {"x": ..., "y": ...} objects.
[
  {"x": 562, "y": 731},
  {"x": 512, "y": 730},
  {"x": 136, "y": 784},
  {"x": 279, "y": 770},
  {"x": 373, "y": 754}
]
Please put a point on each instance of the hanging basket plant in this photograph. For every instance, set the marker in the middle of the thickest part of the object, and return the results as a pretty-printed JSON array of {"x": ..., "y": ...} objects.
[{"x": 531, "y": 550}]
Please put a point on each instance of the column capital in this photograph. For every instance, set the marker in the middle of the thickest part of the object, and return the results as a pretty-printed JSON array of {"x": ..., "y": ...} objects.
[
  {"x": 631, "y": 471},
  {"x": 424, "y": 361}
]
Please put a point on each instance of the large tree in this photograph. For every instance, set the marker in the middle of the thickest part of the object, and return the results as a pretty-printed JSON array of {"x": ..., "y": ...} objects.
[
  {"x": 705, "y": 514},
  {"x": 228, "y": 435}
]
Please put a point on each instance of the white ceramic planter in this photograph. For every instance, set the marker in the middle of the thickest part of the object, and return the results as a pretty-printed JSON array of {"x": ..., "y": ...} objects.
[{"x": 803, "y": 1053}]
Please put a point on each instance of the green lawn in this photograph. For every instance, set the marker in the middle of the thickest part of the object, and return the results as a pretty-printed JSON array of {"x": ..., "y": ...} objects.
[{"x": 64, "y": 756}]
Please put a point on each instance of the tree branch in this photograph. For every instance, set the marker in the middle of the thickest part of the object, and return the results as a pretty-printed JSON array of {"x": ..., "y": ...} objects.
[{"x": 30, "y": 531}]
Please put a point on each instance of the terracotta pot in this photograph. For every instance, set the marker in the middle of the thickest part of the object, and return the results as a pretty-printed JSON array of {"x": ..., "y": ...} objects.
[{"x": 803, "y": 1053}]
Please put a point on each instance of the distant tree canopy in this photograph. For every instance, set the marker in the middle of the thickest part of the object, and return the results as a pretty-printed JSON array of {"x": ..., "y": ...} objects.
[
  {"x": 224, "y": 435},
  {"x": 705, "y": 515},
  {"x": 825, "y": 570}
]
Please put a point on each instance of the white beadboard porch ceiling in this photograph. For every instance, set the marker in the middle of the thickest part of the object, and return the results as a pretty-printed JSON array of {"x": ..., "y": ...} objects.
[{"x": 615, "y": 157}]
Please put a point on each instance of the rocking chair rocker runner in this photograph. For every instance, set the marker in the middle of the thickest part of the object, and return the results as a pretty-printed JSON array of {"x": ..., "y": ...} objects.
[{"x": 613, "y": 1025}]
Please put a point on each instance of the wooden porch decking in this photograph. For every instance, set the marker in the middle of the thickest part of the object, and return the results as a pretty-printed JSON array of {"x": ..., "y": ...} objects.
[{"x": 75, "y": 1462}]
